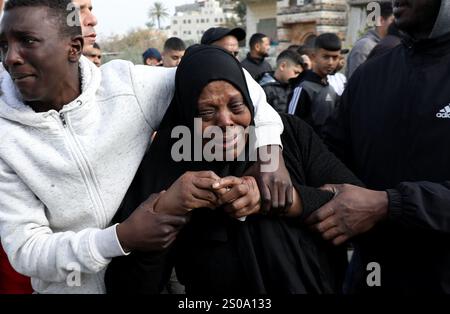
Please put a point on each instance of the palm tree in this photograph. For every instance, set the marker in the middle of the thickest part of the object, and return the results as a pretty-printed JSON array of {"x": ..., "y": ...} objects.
[{"x": 159, "y": 12}]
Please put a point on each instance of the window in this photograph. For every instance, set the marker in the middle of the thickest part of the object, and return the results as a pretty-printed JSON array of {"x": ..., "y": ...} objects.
[
  {"x": 202, "y": 20},
  {"x": 299, "y": 2},
  {"x": 175, "y": 22}
]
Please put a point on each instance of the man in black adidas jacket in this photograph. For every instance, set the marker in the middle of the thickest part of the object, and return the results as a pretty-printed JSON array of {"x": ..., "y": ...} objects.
[{"x": 392, "y": 128}]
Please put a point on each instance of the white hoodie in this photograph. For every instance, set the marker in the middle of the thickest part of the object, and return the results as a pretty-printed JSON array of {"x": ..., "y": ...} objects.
[{"x": 63, "y": 174}]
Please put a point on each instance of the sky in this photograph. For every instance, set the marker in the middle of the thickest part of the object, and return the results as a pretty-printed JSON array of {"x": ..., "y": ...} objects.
[{"x": 119, "y": 16}]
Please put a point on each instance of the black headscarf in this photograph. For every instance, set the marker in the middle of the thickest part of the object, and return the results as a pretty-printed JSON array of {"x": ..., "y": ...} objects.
[{"x": 200, "y": 66}]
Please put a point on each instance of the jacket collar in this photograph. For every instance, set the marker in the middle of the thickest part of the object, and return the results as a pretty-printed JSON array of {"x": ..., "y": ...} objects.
[
  {"x": 309, "y": 76},
  {"x": 256, "y": 61}
]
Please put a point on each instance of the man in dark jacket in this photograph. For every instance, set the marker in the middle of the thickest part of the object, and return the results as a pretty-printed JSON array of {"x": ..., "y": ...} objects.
[
  {"x": 276, "y": 84},
  {"x": 314, "y": 99},
  {"x": 255, "y": 62},
  {"x": 392, "y": 129}
]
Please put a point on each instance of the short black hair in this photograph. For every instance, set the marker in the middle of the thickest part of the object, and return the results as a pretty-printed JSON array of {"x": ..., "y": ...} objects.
[
  {"x": 305, "y": 50},
  {"x": 256, "y": 39},
  {"x": 174, "y": 43},
  {"x": 60, "y": 9},
  {"x": 328, "y": 41},
  {"x": 290, "y": 56},
  {"x": 386, "y": 9},
  {"x": 96, "y": 46},
  {"x": 293, "y": 47}
]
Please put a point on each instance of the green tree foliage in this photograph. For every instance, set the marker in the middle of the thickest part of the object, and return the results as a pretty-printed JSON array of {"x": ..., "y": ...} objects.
[{"x": 158, "y": 12}]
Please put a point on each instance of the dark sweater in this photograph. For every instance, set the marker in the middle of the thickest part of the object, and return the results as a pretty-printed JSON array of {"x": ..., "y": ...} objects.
[{"x": 256, "y": 66}]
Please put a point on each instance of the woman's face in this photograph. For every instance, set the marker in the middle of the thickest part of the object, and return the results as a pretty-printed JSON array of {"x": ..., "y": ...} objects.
[{"x": 221, "y": 105}]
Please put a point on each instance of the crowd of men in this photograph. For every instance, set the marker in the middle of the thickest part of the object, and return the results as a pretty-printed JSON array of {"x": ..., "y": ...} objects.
[{"x": 387, "y": 118}]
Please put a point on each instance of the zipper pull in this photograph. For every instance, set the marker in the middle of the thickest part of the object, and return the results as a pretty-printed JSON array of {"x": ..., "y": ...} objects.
[{"x": 63, "y": 119}]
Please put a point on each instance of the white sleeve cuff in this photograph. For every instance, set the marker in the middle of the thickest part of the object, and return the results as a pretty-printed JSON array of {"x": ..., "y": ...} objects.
[
  {"x": 268, "y": 134},
  {"x": 108, "y": 244}
]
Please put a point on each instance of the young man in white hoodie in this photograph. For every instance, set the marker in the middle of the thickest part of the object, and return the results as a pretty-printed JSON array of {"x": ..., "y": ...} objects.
[{"x": 73, "y": 136}]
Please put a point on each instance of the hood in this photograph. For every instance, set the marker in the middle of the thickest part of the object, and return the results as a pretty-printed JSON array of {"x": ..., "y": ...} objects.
[
  {"x": 442, "y": 25},
  {"x": 13, "y": 108}
]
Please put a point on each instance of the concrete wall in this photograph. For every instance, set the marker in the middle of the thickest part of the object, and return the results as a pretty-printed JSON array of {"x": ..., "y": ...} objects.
[
  {"x": 357, "y": 18},
  {"x": 256, "y": 11}
]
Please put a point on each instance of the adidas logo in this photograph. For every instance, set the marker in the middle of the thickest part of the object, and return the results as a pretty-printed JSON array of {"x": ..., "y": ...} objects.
[
  {"x": 329, "y": 98},
  {"x": 444, "y": 113}
]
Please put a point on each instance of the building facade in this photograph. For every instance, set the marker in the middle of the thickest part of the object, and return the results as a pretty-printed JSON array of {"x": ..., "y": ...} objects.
[
  {"x": 295, "y": 21},
  {"x": 192, "y": 20}
]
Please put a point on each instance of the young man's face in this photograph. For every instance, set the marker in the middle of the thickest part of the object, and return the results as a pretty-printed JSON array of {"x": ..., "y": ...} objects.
[
  {"x": 288, "y": 70},
  {"x": 152, "y": 62},
  {"x": 172, "y": 58},
  {"x": 88, "y": 21},
  {"x": 416, "y": 16},
  {"x": 263, "y": 48},
  {"x": 325, "y": 61},
  {"x": 229, "y": 43},
  {"x": 385, "y": 22},
  {"x": 34, "y": 52},
  {"x": 93, "y": 54}
]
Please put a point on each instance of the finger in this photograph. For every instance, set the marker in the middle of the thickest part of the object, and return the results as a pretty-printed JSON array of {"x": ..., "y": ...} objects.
[
  {"x": 167, "y": 241},
  {"x": 332, "y": 233},
  {"x": 321, "y": 214},
  {"x": 282, "y": 188},
  {"x": 332, "y": 188},
  {"x": 204, "y": 183},
  {"x": 266, "y": 199},
  {"x": 173, "y": 220},
  {"x": 289, "y": 198},
  {"x": 340, "y": 240},
  {"x": 274, "y": 187},
  {"x": 204, "y": 195},
  {"x": 227, "y": 182},
  {"x": 235, "y": 193},
  {"x": 207, "y": 174},
  {"x": 325, "y": 225},
  {"x": 239, "y": 204},
  {"x": 247, "y": 211},
  {"x": 221, "y": 192}
]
